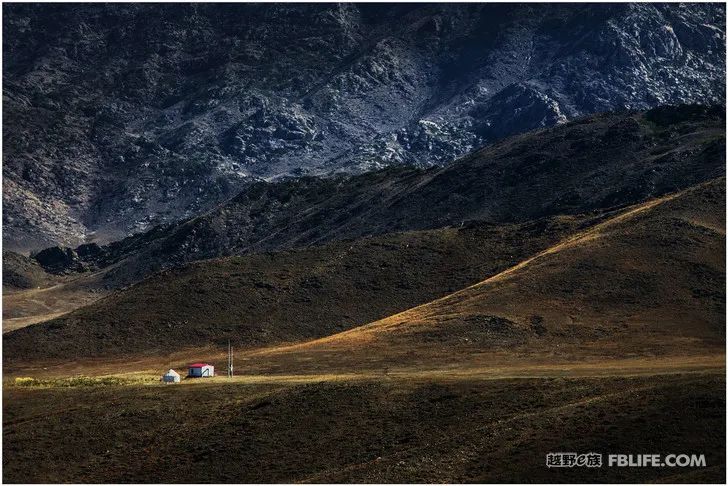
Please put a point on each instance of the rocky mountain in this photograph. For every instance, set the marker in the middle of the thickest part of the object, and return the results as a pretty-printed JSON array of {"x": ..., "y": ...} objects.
[
  {"x": 121, "y": 117},
  {"x": 597, "y": 163}
]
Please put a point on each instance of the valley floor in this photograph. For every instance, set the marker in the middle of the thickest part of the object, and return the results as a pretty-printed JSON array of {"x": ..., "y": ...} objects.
[
  {"x": 298, "y": 414},
  {"x": 481, "y": 426}
]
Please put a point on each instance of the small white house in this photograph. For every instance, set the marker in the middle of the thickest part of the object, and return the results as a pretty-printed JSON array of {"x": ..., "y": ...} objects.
[
  {"x": 201, "y": 370},
  {"x": 171, "y": 377}
]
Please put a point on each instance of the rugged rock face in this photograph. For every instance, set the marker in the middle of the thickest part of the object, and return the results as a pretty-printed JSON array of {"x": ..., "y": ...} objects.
[
  {"x": 592, "y": 164},
  {"x": 120, "y": 117}
]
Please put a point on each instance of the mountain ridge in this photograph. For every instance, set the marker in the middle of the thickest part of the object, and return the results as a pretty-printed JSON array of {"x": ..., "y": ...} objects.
[
  {"x": 119, "y": 118},
  {"x": 599, "y": 162}
]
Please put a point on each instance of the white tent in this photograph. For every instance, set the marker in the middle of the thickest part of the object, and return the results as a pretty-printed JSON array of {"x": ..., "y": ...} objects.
[{"x": 171, "y": 377}]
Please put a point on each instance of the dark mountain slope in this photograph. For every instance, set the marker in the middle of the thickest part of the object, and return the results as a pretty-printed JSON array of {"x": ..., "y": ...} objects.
[
  {"x": 648, "y": 282},
  {"x": 288, "y": 296},
  {"x": 120, "y": 117},
  {"x": 22, "y": 272},
  {"x": 596, "y": 163}
]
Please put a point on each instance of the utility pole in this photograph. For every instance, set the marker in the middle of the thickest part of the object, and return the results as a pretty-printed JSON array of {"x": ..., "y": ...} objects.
[{"x": 230, "y": 360}]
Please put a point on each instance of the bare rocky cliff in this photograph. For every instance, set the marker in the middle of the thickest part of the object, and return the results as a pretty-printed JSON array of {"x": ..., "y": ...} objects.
[{"x": 121, "y": 117}]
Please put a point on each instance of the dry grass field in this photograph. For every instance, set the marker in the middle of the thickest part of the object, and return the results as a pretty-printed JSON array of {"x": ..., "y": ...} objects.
[{"x": 388, "y": 429}]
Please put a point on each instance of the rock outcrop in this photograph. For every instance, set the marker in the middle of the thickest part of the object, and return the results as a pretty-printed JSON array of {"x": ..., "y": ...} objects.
[{"x": 121, "y": 117}]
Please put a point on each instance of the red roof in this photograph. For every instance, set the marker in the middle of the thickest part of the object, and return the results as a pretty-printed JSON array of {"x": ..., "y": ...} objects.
[{"x": 198, "y": 365}]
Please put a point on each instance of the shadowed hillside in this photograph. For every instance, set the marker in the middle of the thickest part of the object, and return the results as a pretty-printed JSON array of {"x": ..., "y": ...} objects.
[
  {"x": 648, "y": 281},
  {"x": 289, "y": 296},
  {"x": 22, "y": 272},
  {"x": 602, "y": 162}
]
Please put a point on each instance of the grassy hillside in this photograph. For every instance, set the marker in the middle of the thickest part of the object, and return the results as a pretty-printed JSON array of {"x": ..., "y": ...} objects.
[
  {"x": 289, "y": 296},
  {"x": 648, "y": 281}
]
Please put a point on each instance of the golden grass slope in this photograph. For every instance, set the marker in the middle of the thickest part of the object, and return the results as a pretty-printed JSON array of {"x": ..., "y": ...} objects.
[{"x": 649, "y": 281}]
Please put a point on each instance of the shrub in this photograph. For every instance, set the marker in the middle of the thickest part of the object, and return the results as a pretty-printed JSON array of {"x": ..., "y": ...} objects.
[{"x": 26, "y": 381}]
